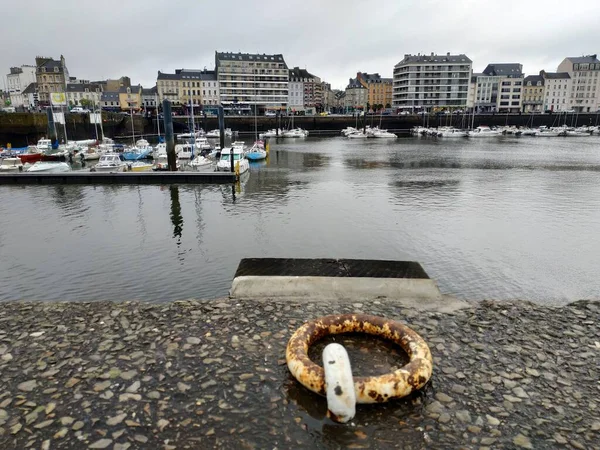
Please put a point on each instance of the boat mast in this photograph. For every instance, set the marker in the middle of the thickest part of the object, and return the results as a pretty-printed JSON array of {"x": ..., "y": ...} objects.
[
  {"x": 132, "y": 126},
  {"x": 101, "y": 127},
  {"x": 255, "y": 120},
  {"x": 157, "y": 118},
  {"x": 193, "y": 138},
  {"x": 66, "y": 104},
  {"x": 95, "y": 121}
]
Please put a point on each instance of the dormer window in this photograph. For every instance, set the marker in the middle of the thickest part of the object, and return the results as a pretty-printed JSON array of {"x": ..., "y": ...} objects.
[
  {"x": 56, "y": 69},
  {"x": 129, "y": 90}
]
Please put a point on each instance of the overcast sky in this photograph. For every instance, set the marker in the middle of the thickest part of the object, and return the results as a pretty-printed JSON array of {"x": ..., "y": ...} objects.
[{"x": 332, "y": 39}]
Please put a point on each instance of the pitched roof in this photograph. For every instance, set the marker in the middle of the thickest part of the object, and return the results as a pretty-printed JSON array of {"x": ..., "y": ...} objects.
[
  {"x": 81, "y": 87},
  {"x": 226, "y": 56},
  {"x": 504, "y": 70},
  {"x": 447, "y": 58},
  {"x": 556, "y": 75},
  {"x": 134, "y": 89},
  {"x": 583, "y": 59},
  {"x": 167, "y": 76},
  {"x": 31, "y": 89},
  {"x": 353, "y": 83},
  {"x": 533, "y": 79},
  {"x": 109, "y": 96},
  {"x": 297, "y": 73},
  {"x": 151, "y": 91}
]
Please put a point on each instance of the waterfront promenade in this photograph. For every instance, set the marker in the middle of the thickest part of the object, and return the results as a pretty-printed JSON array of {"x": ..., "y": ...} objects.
[{"x": 212, "y": 374}]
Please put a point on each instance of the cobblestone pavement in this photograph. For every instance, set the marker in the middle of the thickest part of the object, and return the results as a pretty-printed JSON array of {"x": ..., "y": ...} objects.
[{"x": 212, "y": 374}]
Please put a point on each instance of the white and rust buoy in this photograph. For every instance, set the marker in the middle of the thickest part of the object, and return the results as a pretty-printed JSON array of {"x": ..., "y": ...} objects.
[{"x": 335, "y": 381}]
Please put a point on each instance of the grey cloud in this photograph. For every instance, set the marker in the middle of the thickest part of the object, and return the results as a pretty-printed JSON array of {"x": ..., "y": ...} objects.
[{"x": 333, "y": 39}]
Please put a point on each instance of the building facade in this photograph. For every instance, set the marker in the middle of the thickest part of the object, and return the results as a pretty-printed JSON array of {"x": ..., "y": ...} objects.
[
  {"x": 16, "y": 82},
  {"x": 246, "y": 79},
  {"x": 210, "y": 89},
  {"x": 51, "y": 76},
  {"x": 130, "y": 98},
  {"x": 357, "y": 96},
  {"x": 116, "y": 84},
  {"x": 499, "y": 88},
  {"x": 380, "y": 89},
  {"x": 305, "y": 91},
  {"x": 431, "y": 81},
  {"x": 295, "y": 93},
  {"x": 149, "y": 98},
  {"x": 109, "y": 100},
  {"x": 533, "y": 93},
  {"x": 88, "y": 92},
  {"x": 584, "y": 72},
  {"x": 557, "y": 91}
]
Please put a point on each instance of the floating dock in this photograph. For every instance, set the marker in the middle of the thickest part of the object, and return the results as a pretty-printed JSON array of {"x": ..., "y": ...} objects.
[{"x": 118, "y": 178}]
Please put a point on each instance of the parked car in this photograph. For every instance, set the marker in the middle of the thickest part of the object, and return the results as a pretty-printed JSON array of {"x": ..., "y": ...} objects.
[{"x": 80, "y": 110}]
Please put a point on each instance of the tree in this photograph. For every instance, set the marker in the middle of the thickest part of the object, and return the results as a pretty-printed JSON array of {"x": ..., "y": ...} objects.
[
  {"x": 86, "y": 103},
  {"x": 387, "y": 105}
]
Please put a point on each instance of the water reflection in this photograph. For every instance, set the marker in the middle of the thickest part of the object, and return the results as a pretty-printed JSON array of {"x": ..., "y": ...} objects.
[{"x": 176, "y": 217}]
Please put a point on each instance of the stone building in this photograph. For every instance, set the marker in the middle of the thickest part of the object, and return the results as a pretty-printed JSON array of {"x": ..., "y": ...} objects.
[
  {"x": 557, "y": 91},
  {"x": 88, "y": 92},
  {"x": 357, "y": 96},
  {"x": 51, "y": 76}
]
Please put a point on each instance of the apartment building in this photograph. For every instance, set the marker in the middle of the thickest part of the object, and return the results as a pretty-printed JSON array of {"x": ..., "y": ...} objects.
[
  {"x": 357, "y": 96},
  {"x": 252, "y": 79},
  {"x": 533, "y": 93},
  {"x": 499, "y": 88},
  {"x": 431, "y": 81},
  {"x": 557, "y": 91},
  {"x": 17, "y": 80},
  {"x": 584, "y": 72}
]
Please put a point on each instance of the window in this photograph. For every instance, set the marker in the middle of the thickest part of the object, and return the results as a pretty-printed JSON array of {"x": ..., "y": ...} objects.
[{"x": 203, "y": 91}]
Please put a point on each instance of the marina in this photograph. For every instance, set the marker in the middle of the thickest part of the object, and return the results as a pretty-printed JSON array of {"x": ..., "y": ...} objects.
[{"x": 503, "y": 218}]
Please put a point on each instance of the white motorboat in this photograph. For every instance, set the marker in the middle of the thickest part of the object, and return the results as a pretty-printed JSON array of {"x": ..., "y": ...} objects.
[
  {"x": 202, "y": 144},
  {"x": 528, "y": 132},
  {"x": 110, "y": 162},
  {"x": 271, "y": 133},
  {"x": 357, "y": 135},
  {"x": 349, "y": 130},
  {"x": 160, "y": 149},
  {"x": 295, "y": 133},
  {"x": 452, "y": 133},
  {"x": 184, "y": 151},
  {"x": 383, "y": 134},
  {"x": 201, "y": 162},
  {"x": 483, "y": 132},
  {"x": 49, "y": 167},
  {"x": 85, "y": 142},
  {"x": 11, "y": 165},
  {"x": 91, "y": 154},
  {"x": 217, "y": 133},
  {"x": 43, "y": 145},
  {"x": 224, "y": 164}
]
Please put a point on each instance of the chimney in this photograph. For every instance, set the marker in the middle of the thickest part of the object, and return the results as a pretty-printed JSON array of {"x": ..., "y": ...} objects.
[
  {"x": 448, "y": 54},
  {"x": 431, "y": 53}
]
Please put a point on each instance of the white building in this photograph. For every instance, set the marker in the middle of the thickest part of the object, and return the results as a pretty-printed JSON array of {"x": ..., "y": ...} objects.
[
  {"x": 557, "y": 91},
  {"x": 585, "y": 88},
  {"x": 246, "y": 79},
  {"x": 499, "y": 88},
  {"x": 90, "y": 93},
  {"x": 210, "y": 88},
  {"x": 17, "y": 80},
  {"x": 295, "y": 94},
  {"x": 427, "y": 81}
]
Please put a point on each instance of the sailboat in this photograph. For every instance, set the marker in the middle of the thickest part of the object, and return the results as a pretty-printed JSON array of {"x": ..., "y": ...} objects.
[
  {"x": 295, "y": 132},
  {"x": 257, "y": 152}
]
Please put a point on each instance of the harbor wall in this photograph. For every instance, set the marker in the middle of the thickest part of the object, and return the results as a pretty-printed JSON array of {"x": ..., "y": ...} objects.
[{"x": 21, "y": 129}]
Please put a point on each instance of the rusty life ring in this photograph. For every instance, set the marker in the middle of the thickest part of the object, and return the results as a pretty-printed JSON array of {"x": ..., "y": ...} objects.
[{"x": 375, "y": 389}]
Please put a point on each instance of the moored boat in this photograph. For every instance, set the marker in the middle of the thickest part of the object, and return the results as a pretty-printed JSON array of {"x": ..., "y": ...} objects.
[
  {"x": 110, "y": 162},
  {"x": 49, "y": 167},
  {"x": 11, "y": 165},
  {"x": 239, "y": 162}
]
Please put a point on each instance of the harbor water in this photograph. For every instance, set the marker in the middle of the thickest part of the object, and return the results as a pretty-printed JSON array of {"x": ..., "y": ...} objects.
[{"x": 498, "y": 218}]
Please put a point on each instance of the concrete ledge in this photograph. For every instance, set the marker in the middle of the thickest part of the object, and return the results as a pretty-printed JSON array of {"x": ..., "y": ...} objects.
[{"x": 333, "y": 288}]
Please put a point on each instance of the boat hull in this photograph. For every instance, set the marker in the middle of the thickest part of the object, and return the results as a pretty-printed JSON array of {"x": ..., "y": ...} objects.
[{"x": 30, "y": 158}]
